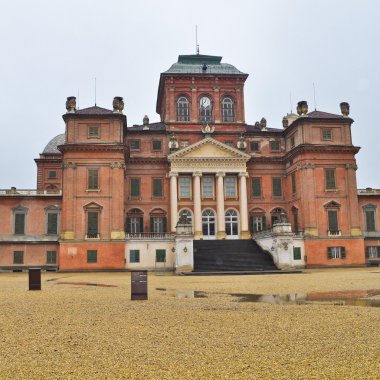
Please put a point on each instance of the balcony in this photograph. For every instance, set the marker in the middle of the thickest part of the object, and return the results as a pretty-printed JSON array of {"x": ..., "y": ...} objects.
[
  {"x": 12, "y": 192},
  {"x": 149, "y": 236},
  {"x": 92, "y": 236},
  {"x": 334, "y": 233}
]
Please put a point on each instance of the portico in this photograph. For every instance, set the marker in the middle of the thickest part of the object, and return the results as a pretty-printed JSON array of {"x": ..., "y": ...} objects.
[{"x": 217, "y": 173}]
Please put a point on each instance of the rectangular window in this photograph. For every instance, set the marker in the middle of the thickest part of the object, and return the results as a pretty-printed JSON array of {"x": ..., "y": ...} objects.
[
  {"x": 294, "y": 183},
  {"x": 20, "y": 223},
  {"x": 93, "y": 179},
  {"x": 92, "y": 256},
  {"x": 93, "y": 132},
  {"x": 333, "y": 220},
  {"x": 330, "y": 179},
  {"x": 208, "y": 187},
  {"x": 184, "y": 187},
  {"x": 296, "y": 253},
  {"x": 135, "y": 187},
  {"x": 134, "y": 256},
  {"x": 156, "y": 145},
  {"x": 134, "y": 225},
  {"x": 256, "y": 187},
  {"x": 275, "y": 146},
  {"x": 18, "y": 257},
  {"x": 257, "y": 223},
  {"x": 230, "y": 186},
  {"x": 157, "y": 187},
  {"x": 52, "y": 223},
  {"x": 51, "y": 257},
  {"x": 292, "y": 142},
  {"x": 276, "y": 187},
  {"x": 326, "y": 134},
  {"x": 158, "y": 224},
  {"x": 134, "y": 145},
  {"x": 370, "y": 220},
  {"x": 372, "y": 252},
  {"x": 254, "y": 146},
  {"x": 336, "y": 252},
  {"x": 52, "y": 174},
  {"x": 92, "y": 224},
  {"x": 160, "y": 255}
]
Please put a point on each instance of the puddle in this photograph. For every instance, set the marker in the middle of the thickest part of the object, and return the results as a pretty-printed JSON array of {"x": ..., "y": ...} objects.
[
  {"x": 181, "y": 293},
  {"x": 368, "y": 298},
  {"x": 86, "y": 284}
]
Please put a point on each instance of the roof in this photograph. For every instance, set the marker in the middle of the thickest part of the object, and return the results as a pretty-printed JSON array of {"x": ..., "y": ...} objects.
[
  {"x": 95, "y": 110},
  {"x": 253, "y": 128},
  {"x": 152, "y": 127},
  {"x": 201, "y": 64},
  {"x": 51, "y": 147},
  {"x": 323, "y": 115}
]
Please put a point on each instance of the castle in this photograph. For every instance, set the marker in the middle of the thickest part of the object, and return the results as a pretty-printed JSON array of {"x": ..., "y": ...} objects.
[{"x": 111, "y": 196}]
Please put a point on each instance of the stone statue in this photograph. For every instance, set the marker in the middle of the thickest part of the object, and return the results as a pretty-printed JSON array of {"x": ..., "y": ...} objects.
[
  {"x": 118, "y": 104},
  {"x": 71, "y": 104}
]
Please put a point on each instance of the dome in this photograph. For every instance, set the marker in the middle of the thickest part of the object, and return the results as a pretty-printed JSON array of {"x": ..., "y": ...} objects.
[{"x": 52, "y": 146}]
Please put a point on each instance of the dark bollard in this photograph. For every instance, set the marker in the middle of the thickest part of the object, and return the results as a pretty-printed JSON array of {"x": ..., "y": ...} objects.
[
  {"x": 139, "y": 285},
  {"x": 34, "y": 278}
]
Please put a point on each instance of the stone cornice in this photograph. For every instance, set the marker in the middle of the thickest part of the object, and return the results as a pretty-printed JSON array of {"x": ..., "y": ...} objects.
[
  {"x": 91, "y": 148},
  {"x": 312, "y": 148}
]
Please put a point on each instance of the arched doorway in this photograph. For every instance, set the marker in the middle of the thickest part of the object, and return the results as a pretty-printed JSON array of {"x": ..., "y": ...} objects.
[
  {"x": 231, "y": 221},
  {"x": 208, "y": 224}
]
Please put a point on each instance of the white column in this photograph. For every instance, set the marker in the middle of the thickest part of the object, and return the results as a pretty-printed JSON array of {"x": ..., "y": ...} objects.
[
  {"x": 244, "y": 233},
  {"x": 173, "y": 200},
  {"x": 197, "y": 205},
  {"x": 221, "y": 234}
]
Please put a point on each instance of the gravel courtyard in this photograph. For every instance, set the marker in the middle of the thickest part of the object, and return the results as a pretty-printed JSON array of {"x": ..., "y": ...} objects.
[{"x": 80, "y": 331}]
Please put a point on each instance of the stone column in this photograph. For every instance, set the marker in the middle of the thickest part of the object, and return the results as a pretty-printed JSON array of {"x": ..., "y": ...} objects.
[
  {"x": 173, "y": 201},
  {"x": 221, "y": 234},
  {"x": 197, "y": 205},
  {"x": 244, "y": 233}
]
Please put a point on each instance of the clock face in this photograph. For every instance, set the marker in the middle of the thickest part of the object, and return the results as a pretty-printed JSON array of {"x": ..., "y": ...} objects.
[{"x": 205, "y": 102}]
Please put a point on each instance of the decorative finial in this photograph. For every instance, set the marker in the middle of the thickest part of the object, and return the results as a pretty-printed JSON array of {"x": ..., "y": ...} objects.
[
  {"x": 71, "y": 104},
  {"x": 208, "y": 129},
  {"x": 263, "y": 124},
  {"x": 118, "y": 104},
  {"x": 302, "y": 107},
  {"x": 173, "y": 143},
  {"x": 345, "y": 108},
  {"x": 241, "y": 144},
  {"x": 285, "y": 122}
]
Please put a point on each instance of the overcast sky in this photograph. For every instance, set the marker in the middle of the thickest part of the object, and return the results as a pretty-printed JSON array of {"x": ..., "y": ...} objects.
[{"x": 52, "y": 49}]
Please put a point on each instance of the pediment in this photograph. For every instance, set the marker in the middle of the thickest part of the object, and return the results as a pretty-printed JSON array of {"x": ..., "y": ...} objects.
[{"x": 211, "y": 149}]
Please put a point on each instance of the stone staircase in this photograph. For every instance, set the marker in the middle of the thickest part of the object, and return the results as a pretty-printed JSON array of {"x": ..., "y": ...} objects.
[{"x": 230, "y": 255}]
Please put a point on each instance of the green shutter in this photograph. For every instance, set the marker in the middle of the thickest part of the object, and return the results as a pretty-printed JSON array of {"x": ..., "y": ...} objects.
[
  {"x": 251, "y": 228},
  {"x": 160, "y": 255},
  {"x": 164, "y": 224},
  {"x": 329, "y": 253},
  {"x": 370, "y": 220},
  {"x": 134, "y": 256},
  {"x": 92, "y": 256},
  {"x": 135, "y": 187},
  {"x": 18, "y": 257},
  {"x": 128, "y": 226},
  {"x": 92, "y": 218},
  {"x": 333, "y": 220},
  {"x": 366, "y": 252},
  {"x": 277, "y": 191},
  {"x": 51, "y": 257},
  {"x": 294, "y": 185},
  {"x": 19, "y": 224},
  {"x": 342, "y": 252},
  {"x": 330, "y": 179},
  {"x": 52, "y": 223},
  {"x": 157, "y": 187},
  {"x": 93, "y": 177},
  {"x": 151, "y": 224},
  {"x": 141, "y": 224},
  {"x": 295, "y": 217},
  {"x": 297, "y": 253},
  {"x": 264, "y": 219},
  {"x": 256, "y": 187}
]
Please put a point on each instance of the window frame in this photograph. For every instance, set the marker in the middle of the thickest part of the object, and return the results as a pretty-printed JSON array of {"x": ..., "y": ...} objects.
[
  {"x": 324, "y": 137},
  {"x": 185, "y": 117},
  {"x": 161, "y": 254},
  {"x": 208, "y": 116},
  {"x": 274, "y": 195},
  {"x": 90, "y": 134},
  {"x": 226, "y": 118},
  {"x": 180, "y": 187},
  {"x": 49, "y": 174},
  {"x": 18, "y": 257},
  {"x": 134, "y": 196},
  {"x": 92, "y": 256},
  {"x": 294, "y": 183},
  {"x": 93, "y": 185},
  {"x": 260, "y": 194},
  {"x": 135, "y": 149},
  {"x": 154, "y": 180},
  {"x": 19, "y": 210},
  {"x": 135, "y": 254},
  {"x": 51, "y": 210},
  {"x": 205, "y": 196},
  {"x": 334, "y": 253},
  {"x": 258, "y": 146},
  {"x": 330, "y": 182},
  {"x": 51, "y": 257},
  {"x": 235, "y": 186},
  {"x": 153, "y": 148},
  {"x": 370, "y": 208},
  {"x": 273, "y": 147}
]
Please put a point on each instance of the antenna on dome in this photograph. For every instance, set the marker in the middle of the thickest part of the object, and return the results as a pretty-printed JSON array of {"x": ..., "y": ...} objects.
[
  {"x": 315, "y": 102},
  {"x": 290, "y": 99},
  {"x": 196, "y": 39},
  {"x": 95, "y": 91},
  {"x": 78, "y": 99}
]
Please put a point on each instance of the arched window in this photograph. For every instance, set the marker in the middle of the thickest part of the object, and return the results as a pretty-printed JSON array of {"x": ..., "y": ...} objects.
[
  {"x": 158, "y": 221},
  {"x": 257, "y": 220},
  {"x": 208, "y": 224},
  {"x": 231, "y": 223},
  {"x": 227, "y": 109},
  {"x": 183, "y": 109},
  {"x": 205, "y": 109}
]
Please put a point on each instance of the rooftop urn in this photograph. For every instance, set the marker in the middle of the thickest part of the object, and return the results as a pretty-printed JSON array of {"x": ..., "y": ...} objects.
[
  {"x": 71, "y": 104},
  {"x": 118, "y": 104},
  {"x": 263, "y": 124},
  {"x": 345, "y": 108},
  {"x": 302, "y": 107},
  {"x": 285, "y": 122}
]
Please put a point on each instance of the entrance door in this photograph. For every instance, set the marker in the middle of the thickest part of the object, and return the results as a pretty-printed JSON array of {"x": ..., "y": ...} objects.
[
  {"x": 231, "y": 219},
  {"x": 208, "y": 224}
]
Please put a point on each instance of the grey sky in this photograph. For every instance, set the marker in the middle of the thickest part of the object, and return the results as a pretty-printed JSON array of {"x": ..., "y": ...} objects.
[{"x": 50, "y": 49}]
